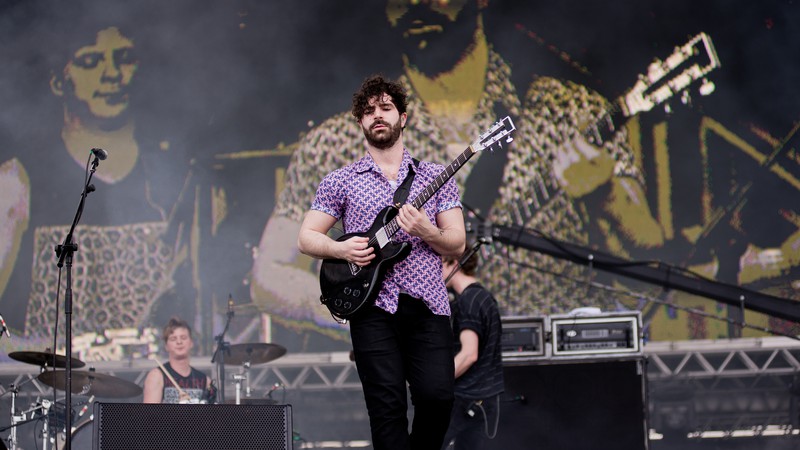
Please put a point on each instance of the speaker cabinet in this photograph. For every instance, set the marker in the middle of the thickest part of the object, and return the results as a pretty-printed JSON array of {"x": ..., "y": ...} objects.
[
  {"x": 128, "y": 426},
  {"x": 574, "y": 405}
]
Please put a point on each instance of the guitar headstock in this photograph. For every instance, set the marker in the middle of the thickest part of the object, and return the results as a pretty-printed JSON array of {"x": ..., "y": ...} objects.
[
  {"x": 495, "y": 135},
  {"x": 664, "y": 79}
]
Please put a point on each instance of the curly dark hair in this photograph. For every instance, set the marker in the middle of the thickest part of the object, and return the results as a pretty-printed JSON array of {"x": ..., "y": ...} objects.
[{"x": 375, "y": 86}]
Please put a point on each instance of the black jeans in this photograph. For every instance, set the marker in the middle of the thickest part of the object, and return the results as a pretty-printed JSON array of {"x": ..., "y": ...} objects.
[
  {"x": 414, "y": 346},
  {"x": 474, "y": 424}
]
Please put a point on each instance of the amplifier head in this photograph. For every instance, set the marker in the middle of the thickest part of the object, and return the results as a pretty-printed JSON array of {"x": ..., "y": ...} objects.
[
  {"x": 601, "y": 334},
  {"x": 523, "y": 337}
]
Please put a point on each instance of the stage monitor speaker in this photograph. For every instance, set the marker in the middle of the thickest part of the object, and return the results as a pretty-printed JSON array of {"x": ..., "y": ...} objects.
[
  {"x": 574, "y": 405},
  {"x": 128, "y": 426}
]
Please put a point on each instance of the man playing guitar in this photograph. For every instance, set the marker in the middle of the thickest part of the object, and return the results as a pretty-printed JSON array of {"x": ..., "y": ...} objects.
[{"x": 405, "y": 336}]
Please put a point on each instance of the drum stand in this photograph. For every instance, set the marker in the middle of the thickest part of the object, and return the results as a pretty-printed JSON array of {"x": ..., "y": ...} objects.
[
  {"x": 12, "y": 438},
  {"x": 22, "y": 417},
  {"x": 220, "y": 353},
  {"x": 46, "y": 429},
  {"x": 237, "y": 379}
]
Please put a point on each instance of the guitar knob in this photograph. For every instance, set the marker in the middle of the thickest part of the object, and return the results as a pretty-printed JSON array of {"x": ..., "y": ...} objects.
[
  {"x": 356, "y": 293},
  {"x": 337, "y": 302},
  {"x": 347, "y": 291},
  {"x": 347, "y": 305}
]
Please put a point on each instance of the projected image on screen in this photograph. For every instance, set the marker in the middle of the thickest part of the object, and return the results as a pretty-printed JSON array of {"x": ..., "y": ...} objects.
[{"x": 650, "y": 132}]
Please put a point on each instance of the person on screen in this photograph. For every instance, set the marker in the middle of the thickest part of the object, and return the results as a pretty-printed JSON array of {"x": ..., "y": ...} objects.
[
  {"x": 457, "y": 83},
  {"x": 133, "y": 235}
]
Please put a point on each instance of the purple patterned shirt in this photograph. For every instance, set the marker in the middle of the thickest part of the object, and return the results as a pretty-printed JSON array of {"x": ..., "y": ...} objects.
[{"x": 356, "y": 193}]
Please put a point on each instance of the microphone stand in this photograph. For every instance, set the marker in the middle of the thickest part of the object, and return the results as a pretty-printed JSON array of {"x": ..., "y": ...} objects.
[
  {"x": 222, "y": 348},
  {"x": 467, "y": 255},
  {"x": 65, "y": 253}
]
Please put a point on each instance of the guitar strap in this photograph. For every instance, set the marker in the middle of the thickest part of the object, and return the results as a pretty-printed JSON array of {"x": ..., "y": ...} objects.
[{"x": 401, "y": 194}]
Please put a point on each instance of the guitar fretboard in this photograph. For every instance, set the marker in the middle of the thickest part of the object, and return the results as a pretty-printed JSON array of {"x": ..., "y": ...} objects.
[{"x": 419, "y": 201}]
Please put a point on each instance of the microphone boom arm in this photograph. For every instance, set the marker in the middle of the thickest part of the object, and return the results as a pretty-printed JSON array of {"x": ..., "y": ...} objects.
[{"x": 662, "y": 275}]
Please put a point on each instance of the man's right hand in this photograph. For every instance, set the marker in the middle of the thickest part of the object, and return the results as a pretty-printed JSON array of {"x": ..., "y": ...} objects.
[{"x": 356, "y": 250}]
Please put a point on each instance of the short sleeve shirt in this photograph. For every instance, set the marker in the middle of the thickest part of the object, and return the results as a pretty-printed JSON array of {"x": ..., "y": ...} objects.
[
  {"x": 356, "y": 193},
  {"x": 476, "y": 309}
]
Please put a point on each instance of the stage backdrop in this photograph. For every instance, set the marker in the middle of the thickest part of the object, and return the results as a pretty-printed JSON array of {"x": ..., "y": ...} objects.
[{"x": 219, "y": 119}]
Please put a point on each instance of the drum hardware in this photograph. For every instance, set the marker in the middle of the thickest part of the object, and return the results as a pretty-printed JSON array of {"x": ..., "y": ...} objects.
[
  {"x": 45, "y": 430},
  {"x": 21, "y": 417},
  {"x": 59, "y": 438},
  {"x": 44, "y": 360},
  {"x": 240, "y": 355},
  {"x": 223, "y": 350},
  {"x": 81, "y": 436},
  {"x": 247, "y": 355},
  {"x": 253, "y": 353},
  {"x": 237, "y": 379},
  {"x": 91, "y": 383},
  {"x": 15, "y": 419}
]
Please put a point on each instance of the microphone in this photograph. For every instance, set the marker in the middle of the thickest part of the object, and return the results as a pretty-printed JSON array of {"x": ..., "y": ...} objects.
[
  {"x": 273, "y": 388},
  {"x": 5, "y": 327},
  {"x": 230, "y": 305},
  {"x": 100, "y": 154}
]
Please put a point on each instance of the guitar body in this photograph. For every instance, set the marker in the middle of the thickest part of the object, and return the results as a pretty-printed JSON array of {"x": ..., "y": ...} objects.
[{"x": 347, "y": 287}]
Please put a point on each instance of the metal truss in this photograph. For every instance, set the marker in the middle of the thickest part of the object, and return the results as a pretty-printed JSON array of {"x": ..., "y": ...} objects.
[
  {"x": 307, "y": 372},
  {"x": 692, "y": 386},
  {"x": 740, "y": 384}
]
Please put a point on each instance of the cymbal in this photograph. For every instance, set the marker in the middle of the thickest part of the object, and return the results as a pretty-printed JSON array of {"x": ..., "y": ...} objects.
[
  {"x": 91, "y": 383},
  {"x": 254, "y": 353},
  {"x": 45, "y": 359}
]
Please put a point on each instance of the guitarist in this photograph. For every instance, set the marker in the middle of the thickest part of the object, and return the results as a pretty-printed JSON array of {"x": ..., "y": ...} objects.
[{"x": 405, "y": 338}]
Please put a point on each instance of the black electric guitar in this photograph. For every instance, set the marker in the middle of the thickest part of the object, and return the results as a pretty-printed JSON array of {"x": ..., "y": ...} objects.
[{"x": 346, "y": 287}]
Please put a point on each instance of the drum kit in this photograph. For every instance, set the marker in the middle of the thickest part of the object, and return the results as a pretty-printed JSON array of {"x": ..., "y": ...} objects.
[
  {"x": 91, "y": 384},
  {"x": 86, "y": 383},
  {"x": 247, "y": 355}
]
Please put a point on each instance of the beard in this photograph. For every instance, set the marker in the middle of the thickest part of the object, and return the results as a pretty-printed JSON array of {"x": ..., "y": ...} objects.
[
  {"x": 441, "y": 50},
  {"x": 383, "y": 139}
]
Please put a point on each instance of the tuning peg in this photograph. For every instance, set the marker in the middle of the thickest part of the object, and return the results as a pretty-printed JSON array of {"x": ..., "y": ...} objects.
[
  {"x": 686, "y": 98},
  {"x": 509, "y": 140},
  {"x": 707, "y": 87}
]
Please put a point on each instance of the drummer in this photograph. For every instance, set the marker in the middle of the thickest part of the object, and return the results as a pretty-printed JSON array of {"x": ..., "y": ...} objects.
[{"x": 177, "y": 381}]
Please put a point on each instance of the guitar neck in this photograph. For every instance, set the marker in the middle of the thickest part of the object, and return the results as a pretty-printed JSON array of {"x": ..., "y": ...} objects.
[
  {"x": 604, "y": 129},
  {"x": 419, "y": 201},
  {"x": 448, "y": 172}
]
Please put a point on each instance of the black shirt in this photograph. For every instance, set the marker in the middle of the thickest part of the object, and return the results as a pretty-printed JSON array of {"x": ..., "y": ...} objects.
[{"x": 476, "y": 309}]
